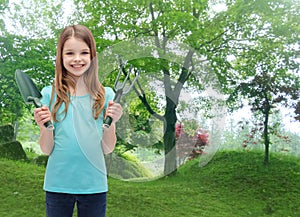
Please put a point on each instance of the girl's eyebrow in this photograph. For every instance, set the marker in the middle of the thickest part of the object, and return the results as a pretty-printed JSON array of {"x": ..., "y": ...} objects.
[{"x": 85, "y": 49}]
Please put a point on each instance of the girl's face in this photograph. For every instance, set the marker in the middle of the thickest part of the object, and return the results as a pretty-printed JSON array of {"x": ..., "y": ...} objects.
[{"x": 76, "y": 56}]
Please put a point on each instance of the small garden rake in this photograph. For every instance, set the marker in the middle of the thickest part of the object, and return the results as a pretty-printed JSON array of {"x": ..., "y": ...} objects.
[{"x": 121, "y": 89}]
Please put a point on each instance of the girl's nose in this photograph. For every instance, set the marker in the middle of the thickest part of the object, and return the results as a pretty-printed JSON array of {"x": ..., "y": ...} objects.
[{"x": 77, "y": 57}]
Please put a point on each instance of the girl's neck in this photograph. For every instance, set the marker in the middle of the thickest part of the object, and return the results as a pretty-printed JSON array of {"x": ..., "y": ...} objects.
[{"x": 80, "y": 87}]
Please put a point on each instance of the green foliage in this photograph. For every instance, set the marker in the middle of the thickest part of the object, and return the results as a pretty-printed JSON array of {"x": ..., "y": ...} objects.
[
  {"x": 251, "y": 47},
  {"x": 33, "y": 56},
  {"x": 6, "y": 133},
  {"x": 265, "y": 69},
  {"x": 40, "y": 160},
  {"x": 28, "y": 131},
  {"x": 26, "y": 45},
  {"x": 246, "y": 135},
  {"x": 12, "y": 150},
  {"x": 8, "y": 147}
]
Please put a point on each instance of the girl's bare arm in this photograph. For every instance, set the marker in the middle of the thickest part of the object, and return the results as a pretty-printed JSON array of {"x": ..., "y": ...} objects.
[
  {"x": 109, "y": 138},
  {"x": 46, "y": 141}
]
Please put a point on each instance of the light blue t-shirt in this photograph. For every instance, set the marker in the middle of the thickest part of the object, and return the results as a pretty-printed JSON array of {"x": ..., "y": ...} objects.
[{"x": 76, "y": 164}]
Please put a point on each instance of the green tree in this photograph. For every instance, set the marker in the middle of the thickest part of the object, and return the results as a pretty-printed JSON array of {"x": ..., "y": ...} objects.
[
  {"x": 297, "y": 111},
  {"x": 27, "y": 39},
  {"x": 247, "y": 41},
  {"x": 267, "y": 63},
  {"x": 165, "y": 22},
  {"x": 10, "y": 103}
]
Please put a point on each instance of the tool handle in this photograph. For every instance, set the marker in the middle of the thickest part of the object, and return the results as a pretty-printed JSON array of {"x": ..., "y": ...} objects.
[
  {"x": 108, "y": 120},
  {"x": 38, "y": 104},
  {"x": 49, "y": 125}
]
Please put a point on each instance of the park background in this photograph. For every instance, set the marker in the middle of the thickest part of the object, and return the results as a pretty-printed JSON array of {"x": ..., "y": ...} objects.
[{"x": 213, "y": 127}]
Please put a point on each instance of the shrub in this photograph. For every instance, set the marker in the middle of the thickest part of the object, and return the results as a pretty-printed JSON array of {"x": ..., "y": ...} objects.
[
  {"x": 190, "y": 147},
  {"x": 6, "y": 133},
  {"x": 41, "y": 160},
  {"x": 125, "y": 167},
  {"x": 12, "y": 150}
]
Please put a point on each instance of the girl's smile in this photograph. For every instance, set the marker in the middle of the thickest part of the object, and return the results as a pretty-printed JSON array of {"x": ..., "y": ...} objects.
[{"x": 76, "y": 56}]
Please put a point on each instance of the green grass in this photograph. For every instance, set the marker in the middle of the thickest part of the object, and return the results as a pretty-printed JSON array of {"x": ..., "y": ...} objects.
[{"x": 233, "y": 184}]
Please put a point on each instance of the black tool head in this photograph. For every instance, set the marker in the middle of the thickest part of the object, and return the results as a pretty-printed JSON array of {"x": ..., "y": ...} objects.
[{"x": 27, "y": 87}]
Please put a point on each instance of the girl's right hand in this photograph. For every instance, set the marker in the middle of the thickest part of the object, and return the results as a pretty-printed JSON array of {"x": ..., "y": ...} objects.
[{"x": 42, "y": 115}]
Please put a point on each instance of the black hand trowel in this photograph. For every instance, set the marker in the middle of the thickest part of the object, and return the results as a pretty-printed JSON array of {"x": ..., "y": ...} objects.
[{"x": 30, "y": 92}]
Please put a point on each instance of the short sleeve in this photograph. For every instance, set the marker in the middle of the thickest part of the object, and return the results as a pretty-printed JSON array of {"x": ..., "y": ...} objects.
[
  {"x": 109, "y": 95},
  {"x": 46, "y": 95}
]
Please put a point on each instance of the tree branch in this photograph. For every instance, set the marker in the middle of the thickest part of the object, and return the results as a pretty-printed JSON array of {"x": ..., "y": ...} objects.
[
  {"x": 142, "y": 96},
  {"x": 154, "y": 29}
]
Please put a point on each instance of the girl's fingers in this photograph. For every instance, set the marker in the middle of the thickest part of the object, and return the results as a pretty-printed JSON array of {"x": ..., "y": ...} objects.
[
  {"x": 42, "y": 115},
  {"x": 114, "y": 110}
]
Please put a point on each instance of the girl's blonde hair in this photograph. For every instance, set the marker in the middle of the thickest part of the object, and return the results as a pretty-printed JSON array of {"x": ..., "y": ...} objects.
[{"x": 63, "y": 81}]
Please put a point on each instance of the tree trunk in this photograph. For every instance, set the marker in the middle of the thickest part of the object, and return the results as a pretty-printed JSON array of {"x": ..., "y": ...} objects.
[
  {"x": 16, "y": 130},
  {"x": 170, "y": 166},
  {"x": 267, "y": 142},
  {"x": 266, "y": 134}
]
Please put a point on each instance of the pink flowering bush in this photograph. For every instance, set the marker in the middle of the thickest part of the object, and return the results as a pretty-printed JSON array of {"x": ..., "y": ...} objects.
[
  {"x": 201, "y": 140},
  {"x": 190, "y": 147}
]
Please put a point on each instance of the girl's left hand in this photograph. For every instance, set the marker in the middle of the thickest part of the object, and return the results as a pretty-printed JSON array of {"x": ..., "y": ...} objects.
[{"x": 114, "y": 110}]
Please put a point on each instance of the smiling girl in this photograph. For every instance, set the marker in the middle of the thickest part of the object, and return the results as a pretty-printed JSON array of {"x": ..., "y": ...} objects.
[{"x": 77, "y": 104}]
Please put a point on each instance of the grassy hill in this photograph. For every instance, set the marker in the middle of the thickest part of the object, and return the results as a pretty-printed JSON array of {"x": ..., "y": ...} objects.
[{"x": 233, "y": 184}]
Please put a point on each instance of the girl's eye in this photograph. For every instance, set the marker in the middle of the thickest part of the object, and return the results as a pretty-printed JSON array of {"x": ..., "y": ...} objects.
[
  {"x": 69, "y": 53},
  {"x": 85, "y": 53}
]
